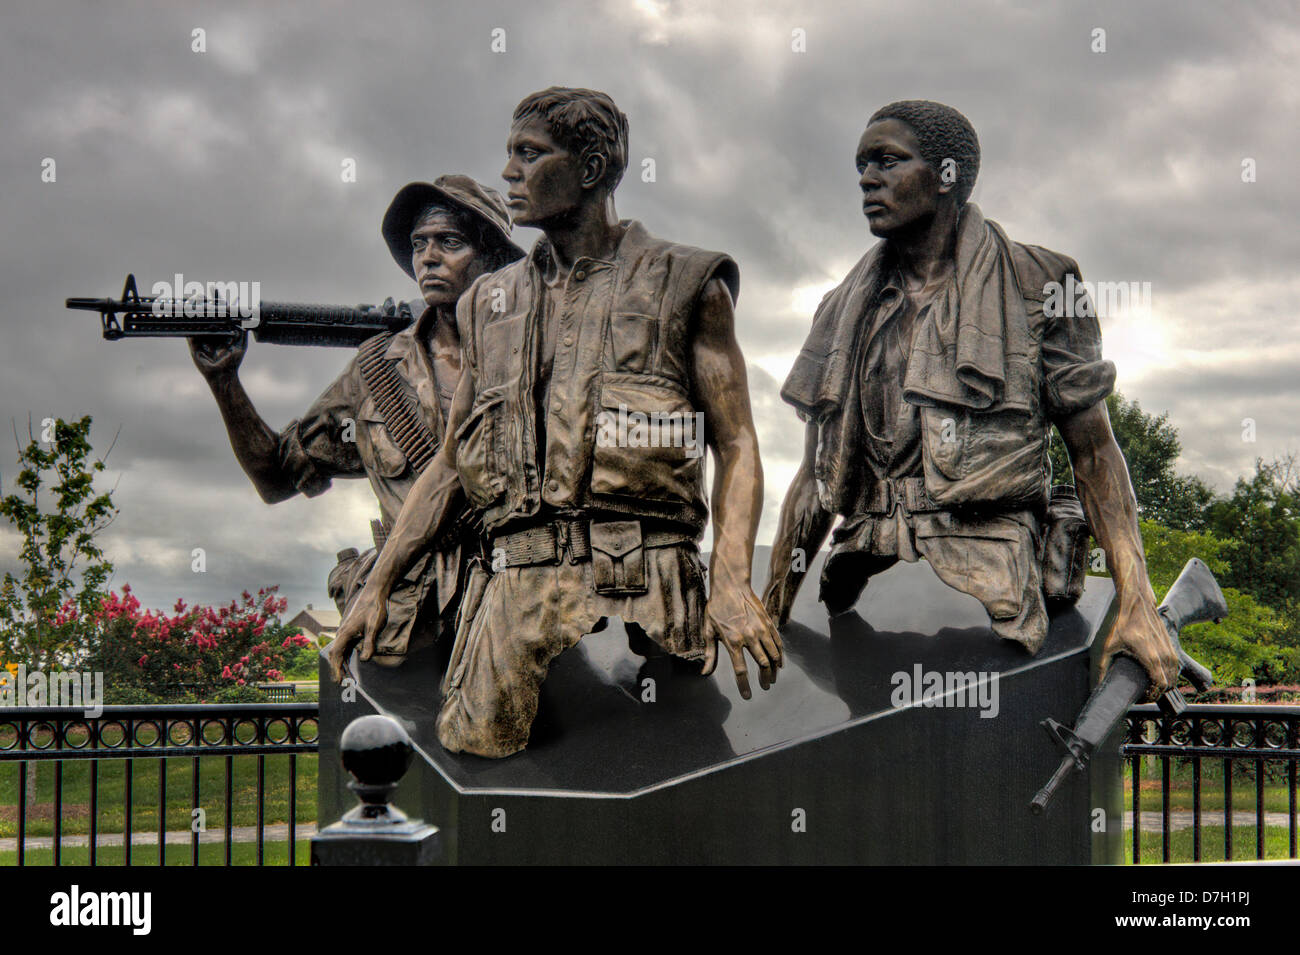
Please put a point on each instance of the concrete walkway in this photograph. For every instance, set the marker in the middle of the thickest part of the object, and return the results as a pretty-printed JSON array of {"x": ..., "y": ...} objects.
[
  {"x": 1183, "y": 819},
  {"x": 273, "y": 833}
]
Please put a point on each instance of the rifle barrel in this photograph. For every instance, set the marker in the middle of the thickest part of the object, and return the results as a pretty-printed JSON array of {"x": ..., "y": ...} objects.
[
  {"x": 1044, "y": 796},
  {"x": 88, "y": 304},
  {"x": 281, "y": 323}
]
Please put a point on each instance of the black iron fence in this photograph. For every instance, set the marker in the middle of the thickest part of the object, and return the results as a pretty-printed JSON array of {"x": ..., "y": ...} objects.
[
  {"x": 183, "y": 742},
  {"x": 1205, "y": 757},
  {"x": 1202, "y": 755}
]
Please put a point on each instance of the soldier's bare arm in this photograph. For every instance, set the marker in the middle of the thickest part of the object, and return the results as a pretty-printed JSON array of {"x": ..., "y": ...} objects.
[
  {"x": 802, "y": 530},
  {"x": 434, "y": 500},
  {"x": 255, "y": 442},
  {"x": 734, "y": 616},
  {"x": 1106, "y": 493}
]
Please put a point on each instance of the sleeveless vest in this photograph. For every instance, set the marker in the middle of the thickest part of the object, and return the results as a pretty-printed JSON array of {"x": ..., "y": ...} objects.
[{"x": 621, "y": 429}]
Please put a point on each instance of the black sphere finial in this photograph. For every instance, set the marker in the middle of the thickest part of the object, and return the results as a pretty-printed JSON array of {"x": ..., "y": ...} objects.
[{"x": 377, "y": 751}]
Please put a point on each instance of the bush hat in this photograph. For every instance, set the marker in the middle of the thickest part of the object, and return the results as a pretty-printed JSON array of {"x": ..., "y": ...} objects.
[{"x": 459, "y": 192}]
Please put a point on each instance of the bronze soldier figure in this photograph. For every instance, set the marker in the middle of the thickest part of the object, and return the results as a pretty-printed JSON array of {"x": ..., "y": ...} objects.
[
  {"x": 389, "y": 406},
  {"x": 929, "y": 382},
  {"x": 601, "y": 325}
]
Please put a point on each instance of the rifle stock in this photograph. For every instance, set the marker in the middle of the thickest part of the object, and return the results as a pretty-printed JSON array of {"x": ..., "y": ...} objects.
[{"x": 1195, "y": 597}]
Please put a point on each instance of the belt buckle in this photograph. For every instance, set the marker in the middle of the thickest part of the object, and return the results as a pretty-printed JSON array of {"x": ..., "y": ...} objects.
[
  {"x": 901, "y": 493},
  {"x": 564, "y": 545},
  {"x": 894, "y": 496}
]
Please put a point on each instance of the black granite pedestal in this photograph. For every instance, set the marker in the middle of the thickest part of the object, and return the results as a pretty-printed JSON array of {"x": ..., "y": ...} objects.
[{"x": 636, "y": 760}]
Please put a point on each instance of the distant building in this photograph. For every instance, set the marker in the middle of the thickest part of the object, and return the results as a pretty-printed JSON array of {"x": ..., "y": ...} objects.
[{"x": 320, "y": 625}]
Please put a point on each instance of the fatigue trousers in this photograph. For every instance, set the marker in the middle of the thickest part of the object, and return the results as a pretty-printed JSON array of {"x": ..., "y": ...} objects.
[
  {"x": 530, "y": 615},
  {"x": 997, "y": 559}
]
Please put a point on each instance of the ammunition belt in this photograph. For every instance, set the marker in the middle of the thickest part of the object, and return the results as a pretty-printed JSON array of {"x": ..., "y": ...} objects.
[{"x": 401, "y": 419}]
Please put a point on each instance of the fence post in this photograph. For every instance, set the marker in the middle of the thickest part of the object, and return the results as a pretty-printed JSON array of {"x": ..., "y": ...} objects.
[{"x": 377, "y": 751}]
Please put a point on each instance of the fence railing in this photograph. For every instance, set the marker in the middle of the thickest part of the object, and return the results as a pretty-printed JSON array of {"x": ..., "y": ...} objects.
[
  {"x": 1251, "y": 743},
  {"x": 162, "y": 735},
  {"x": 1255, "y": 745}
]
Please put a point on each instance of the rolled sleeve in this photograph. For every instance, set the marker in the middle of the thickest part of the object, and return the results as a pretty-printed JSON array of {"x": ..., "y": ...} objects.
[
  {"x": 321, "y": 445},
  {"x": 1075, "y": 376}
]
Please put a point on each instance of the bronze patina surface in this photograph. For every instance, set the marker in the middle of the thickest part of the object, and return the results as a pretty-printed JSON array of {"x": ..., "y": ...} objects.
[
  {"x": 597, "y": 372},
  {"x": 929, "y": 384},
  {"x": 444, "y": 235}
]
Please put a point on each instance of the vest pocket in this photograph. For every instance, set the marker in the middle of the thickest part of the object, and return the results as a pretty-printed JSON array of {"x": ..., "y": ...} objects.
[
  {"x": 984, "y": 457},
  {"x": 943, "y": 439},
  {"x": 501, "y": 358},
  {"x": 649, "y": 442},
  {"x": 633, "y": 338},
  {"x": 480, "y": 449},
  {"x": 1037, "y": 318},
  {"x": 379, "y": 452}
]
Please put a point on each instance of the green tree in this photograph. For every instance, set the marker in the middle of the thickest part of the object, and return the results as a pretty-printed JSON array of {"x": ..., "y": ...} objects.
[
  {"x": 1150, "y": 446},
  {"x": 1254, "y": 640},
  {"x": 63, "y": 568},
  {"x": 1262, "y": 520}
]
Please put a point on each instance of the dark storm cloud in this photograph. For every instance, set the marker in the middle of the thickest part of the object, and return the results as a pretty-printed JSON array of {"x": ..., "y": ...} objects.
[{"x": 225, "y": 165}]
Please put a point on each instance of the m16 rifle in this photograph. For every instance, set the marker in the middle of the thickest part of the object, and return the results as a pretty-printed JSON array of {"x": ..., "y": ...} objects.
[
  {"x": 1195, "y": 597},
  {"x": 215, "y": 317}
]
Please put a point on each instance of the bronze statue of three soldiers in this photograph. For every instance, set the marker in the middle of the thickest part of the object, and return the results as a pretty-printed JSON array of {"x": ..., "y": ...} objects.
[{"x": 534, "y": 442}]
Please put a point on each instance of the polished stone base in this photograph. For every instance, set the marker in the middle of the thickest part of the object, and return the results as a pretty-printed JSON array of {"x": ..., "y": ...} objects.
[{"x": 636, "y": 760}]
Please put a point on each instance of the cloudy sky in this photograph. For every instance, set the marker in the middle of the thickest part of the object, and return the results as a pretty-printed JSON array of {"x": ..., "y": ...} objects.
[{"x": 226, "y": 164}]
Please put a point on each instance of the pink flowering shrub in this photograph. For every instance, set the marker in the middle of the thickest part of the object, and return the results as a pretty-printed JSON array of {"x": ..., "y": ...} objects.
[{"x": 192, "y": 651}]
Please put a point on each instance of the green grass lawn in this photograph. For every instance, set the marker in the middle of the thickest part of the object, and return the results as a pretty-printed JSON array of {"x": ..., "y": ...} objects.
[
  {"x": 1276, "y": 844},
  {"x": 1276, "y": 799},
  {"x": 1276, "y": 792},
  {"x": 144, "y": 801},
  {"x": 243, "y": 853}
]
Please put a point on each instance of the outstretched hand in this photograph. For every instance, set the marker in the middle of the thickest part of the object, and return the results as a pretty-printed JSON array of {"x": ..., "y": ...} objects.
[
  {"x": 735, "y": 618},
  {"x": 363, "y": 623}
]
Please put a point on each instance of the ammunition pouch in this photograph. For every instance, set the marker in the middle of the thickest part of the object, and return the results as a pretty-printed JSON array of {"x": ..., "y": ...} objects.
[
  {"x": 349, "y": 576},
  {"x": 1065, "y": 547},
  {"x": 615, "y": 548},
  {"x": 618, "y": 558}
]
